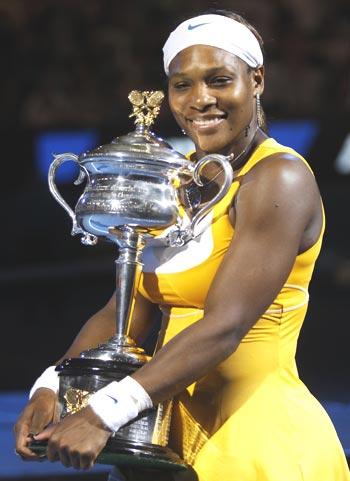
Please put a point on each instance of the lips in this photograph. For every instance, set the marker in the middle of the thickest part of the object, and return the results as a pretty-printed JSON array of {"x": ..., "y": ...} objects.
[{"x": 205, "y": 123}]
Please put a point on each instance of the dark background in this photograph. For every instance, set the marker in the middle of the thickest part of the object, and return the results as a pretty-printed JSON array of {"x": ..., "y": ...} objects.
[{"x": 68, "y": 65}]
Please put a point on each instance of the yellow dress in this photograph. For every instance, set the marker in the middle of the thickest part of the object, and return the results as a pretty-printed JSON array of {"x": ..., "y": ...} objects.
[{"x": 251, "y": 418}]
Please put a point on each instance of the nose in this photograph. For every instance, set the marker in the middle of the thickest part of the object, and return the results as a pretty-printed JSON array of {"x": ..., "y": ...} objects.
[{"x": 202, "y": 97}]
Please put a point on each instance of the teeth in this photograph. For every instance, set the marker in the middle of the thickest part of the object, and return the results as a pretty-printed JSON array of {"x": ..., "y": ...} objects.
[{"x": 207, "y": 122}]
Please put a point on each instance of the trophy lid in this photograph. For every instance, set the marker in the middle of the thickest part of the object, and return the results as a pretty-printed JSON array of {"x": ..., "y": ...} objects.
[{"x": 141, "y": 145}]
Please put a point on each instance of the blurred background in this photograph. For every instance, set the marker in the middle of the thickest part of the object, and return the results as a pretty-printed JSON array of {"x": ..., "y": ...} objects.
[{"x": 67, "y": 67}]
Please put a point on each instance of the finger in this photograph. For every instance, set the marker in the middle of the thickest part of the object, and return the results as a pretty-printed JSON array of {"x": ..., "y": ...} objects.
[
  {"x": 46, "y": 434},
  {"x": 21, "y": 427},
  {"x": 75, "y": 457},
  {"x": 21, "y": 430},
  {"x": 65, "y": 457},
  {"x": 25, "y": 452},
  {"x": 52, "y": 451},
  {"x": 39, "y": 422},
  {"x": 87, "y": 460},
  {"x": 57, "y": 413},
  {"x": 23, "y": 440},
  {"x": 29, "y": 458},
  {"x": 29, "y": 455}
]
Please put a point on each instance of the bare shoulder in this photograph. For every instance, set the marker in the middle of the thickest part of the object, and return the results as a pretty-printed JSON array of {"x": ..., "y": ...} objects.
[
  {"x": 283, "y": 168},
  {"x": 283, "y": 175},
  {"x": 280, "y": 192}
]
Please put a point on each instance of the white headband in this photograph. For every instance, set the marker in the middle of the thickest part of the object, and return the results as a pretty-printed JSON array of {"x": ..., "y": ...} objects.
[{"x": 216, "y": 31}]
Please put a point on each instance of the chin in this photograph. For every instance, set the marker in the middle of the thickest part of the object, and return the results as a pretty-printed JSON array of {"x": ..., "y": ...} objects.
[{"x": 211, "y": 146}]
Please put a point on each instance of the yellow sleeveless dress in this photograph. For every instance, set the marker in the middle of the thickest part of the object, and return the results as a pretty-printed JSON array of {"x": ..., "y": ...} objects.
[{"x": 251, "y": 418}]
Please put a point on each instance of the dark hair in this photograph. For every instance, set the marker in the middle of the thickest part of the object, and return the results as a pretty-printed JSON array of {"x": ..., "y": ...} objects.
[{"x": 240, "y": 19}]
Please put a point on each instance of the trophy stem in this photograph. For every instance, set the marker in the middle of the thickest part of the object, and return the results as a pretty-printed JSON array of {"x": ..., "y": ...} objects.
[
  {"x": 121, "y": 348},
  {"x": 128, "y": 271}
]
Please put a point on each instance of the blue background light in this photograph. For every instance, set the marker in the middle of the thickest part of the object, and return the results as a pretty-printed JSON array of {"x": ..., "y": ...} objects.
[
  {"x": 298, "y": 134},
  {"x": 57, "y": 142}
]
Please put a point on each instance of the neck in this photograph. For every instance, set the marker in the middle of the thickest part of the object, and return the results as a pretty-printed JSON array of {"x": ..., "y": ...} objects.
[
  {"x": 240, "y": 157},
  {"x": 241, "y": 149}
]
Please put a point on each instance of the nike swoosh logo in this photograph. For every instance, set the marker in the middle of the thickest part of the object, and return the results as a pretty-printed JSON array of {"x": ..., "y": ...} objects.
[
  {"x": 192, "y": 27},
  {"x": 113, "y": 399}
]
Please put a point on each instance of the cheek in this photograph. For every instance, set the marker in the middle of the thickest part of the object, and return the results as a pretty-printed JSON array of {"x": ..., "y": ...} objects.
[
  {"x": 240, "y": 95},
  {"x": 240, "y": 102},
  {"x": 176, "y": 106},
  {"x": 173, "y": 99}
]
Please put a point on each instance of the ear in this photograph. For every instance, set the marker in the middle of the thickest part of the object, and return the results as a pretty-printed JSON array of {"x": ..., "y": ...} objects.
[{"x": 258, "y": 76}]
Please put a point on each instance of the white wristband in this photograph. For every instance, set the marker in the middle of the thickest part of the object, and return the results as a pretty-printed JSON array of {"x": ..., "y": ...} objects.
[
  {"x": 120, "y": 402},
  {"x": 48, "y": 379}
]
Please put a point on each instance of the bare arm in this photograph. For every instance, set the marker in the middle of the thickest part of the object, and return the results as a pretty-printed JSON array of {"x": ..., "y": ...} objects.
[
  {"x": 43, "y": 408},
  {"x": 101, "y": 326},
  {"x": 274, "y": 210}
]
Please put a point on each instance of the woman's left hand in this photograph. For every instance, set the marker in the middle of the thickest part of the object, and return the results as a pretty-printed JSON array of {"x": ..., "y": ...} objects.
[{"x": 77, "y": 440}]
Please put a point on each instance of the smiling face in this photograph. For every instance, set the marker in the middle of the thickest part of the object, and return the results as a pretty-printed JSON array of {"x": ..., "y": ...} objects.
[{"x": 212, "y": 97}]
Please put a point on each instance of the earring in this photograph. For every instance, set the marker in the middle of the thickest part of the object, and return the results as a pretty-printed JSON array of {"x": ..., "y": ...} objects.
[
  {"x": 183, "y": 131},
  {"x": 259, "y": 111}
]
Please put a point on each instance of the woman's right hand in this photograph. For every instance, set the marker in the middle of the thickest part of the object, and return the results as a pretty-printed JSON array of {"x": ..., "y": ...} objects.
[{"x": 41, "y": 410}]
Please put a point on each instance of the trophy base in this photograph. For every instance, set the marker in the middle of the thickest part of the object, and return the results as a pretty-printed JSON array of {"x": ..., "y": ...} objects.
[
  {"x": 128, "y": 454},
  {"x": 141, "y": 443}
]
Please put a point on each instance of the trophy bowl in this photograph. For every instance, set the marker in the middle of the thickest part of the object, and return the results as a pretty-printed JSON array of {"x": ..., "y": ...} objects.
[{"x": 132, "y": 194}]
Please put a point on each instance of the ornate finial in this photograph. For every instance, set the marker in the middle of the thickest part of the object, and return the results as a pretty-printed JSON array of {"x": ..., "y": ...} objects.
[{"x": 146, "y": 106}]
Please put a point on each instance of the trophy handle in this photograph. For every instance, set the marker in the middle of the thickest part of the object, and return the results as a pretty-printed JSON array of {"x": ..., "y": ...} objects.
[
  {"x": 180, "y": 237},
  {"x": 87, "y": 239},
  {"x": 228, "y": 172}
]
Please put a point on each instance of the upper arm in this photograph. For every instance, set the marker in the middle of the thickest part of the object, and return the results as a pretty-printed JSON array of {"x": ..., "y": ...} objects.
[{"x": 274, "y": 207}]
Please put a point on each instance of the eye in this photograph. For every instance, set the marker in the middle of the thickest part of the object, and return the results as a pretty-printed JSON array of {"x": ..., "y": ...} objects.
[
  {"x": 220, "y": 81},
  {"x": 180, "y": 85}
]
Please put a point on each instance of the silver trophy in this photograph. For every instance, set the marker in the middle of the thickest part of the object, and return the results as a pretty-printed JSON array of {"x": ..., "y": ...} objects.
[{"x": 132, "y": 193}]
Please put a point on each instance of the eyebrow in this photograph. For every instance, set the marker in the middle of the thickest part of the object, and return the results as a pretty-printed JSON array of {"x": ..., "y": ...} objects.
[{"x": 208, "y": 72}]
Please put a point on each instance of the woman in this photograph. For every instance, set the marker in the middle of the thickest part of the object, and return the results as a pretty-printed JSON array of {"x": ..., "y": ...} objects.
[{"x": 233, "y": 299}]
